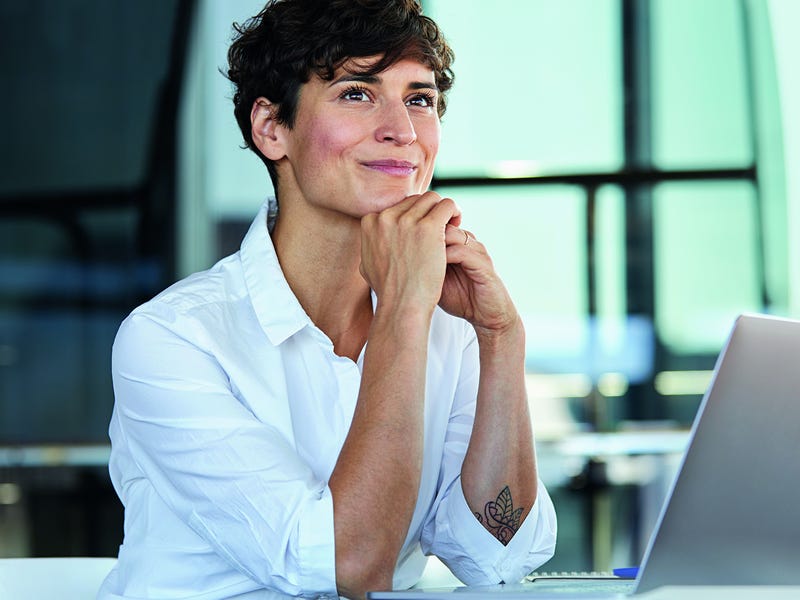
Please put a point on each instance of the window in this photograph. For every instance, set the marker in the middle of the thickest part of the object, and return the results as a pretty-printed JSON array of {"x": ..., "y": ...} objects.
[
  {"x": 622, "y": 161},
  {"x": 619, "y": 159}
]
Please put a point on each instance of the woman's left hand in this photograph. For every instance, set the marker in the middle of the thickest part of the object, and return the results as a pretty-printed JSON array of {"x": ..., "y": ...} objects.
[{"x": 472, "y": 289}]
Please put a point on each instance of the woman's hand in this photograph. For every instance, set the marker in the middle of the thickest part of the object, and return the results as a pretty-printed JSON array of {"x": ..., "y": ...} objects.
[
  {"x": 472, "y": 289},
  {"x": 404, "y": 252}
]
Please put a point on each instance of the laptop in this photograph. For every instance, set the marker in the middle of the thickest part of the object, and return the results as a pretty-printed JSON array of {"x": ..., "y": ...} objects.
[{"x": 732, "y": 516}]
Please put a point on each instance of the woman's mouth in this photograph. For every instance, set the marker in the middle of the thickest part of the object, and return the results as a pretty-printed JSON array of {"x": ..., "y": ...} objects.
[{"x": 396, "y": 168}]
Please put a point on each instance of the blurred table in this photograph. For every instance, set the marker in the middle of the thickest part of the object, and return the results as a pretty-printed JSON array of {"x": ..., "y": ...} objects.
[{"x": 55, "y": 455}]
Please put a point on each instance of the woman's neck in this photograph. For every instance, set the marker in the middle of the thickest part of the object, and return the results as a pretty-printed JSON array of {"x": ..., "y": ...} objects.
[{"x": 320, "y": 261}]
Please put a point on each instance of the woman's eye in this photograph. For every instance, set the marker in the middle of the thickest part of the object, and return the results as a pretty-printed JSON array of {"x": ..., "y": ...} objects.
[
  {"x": 423, "y": 100},
  {"x": 355, "y": 95}
]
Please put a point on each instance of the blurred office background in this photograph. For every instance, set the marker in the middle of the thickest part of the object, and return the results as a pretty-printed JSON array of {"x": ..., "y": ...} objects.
[{"x": 633, "y": 165}]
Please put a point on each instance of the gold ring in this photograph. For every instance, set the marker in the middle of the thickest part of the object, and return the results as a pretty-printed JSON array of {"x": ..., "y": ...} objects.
[{"x": 466, "y": 238}]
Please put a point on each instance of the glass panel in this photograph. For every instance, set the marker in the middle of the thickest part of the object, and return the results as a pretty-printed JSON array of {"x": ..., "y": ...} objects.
[
  {"x": 621, "y": 348},
  {"x": 84, "y": 92},
  {"x": 536, "y": 237},
  {"x": 784, "y": 16},
  {"x": 700, "y": 102},
  {"x": 237, "y": 180},
  {"x": 706, "y": 262},
  {"x": 64, "y": 289},
  {"x": 77, "y": 251},
  {"x": 609, "y": 231},
  {"x": 552, "y": 70},
  {"x": 770, "y": 156}
]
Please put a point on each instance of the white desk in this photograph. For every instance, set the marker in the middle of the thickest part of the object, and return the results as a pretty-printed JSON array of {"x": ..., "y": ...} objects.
[
  {"x": 748, "y": 592},
  {"x": 437, "y": 575},
  {"x": 710, "y": 592}
]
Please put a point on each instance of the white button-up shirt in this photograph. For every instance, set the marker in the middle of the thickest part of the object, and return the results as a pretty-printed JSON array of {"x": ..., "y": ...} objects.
[{"x": 231, "y": 408}]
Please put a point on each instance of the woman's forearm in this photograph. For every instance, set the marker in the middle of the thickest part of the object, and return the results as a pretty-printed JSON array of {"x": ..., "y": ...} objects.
[
  {"x": 376, "y": 479},
  {"x": 499, "y": 471}
]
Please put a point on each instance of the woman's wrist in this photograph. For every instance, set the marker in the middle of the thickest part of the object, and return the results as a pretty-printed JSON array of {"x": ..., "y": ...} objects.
[
  {"x": 510, "y": 335},
  {"x": 404, "y": 321}
]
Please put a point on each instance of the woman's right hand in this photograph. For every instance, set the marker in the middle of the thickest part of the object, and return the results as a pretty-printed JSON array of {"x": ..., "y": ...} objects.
[{"x": 403, "y": 254}]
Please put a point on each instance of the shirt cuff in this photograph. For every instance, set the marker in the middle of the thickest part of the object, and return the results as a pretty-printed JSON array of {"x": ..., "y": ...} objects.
[
  {"x": 316, "y": 550},
  {"x": 531, "y": 546}
]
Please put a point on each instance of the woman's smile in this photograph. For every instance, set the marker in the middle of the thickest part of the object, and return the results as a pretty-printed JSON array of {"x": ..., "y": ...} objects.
[{"x": 395, "y": 168}]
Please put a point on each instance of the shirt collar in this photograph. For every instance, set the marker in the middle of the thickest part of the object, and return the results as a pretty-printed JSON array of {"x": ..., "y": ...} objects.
[{"x": 276, "y": 306}]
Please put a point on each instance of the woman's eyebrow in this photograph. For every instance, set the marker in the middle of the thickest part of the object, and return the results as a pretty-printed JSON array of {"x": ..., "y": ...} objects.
[
  {"x": 358, "y": 77},
  {"x": 423, "y": 85},
  {"x": 372, "y": 79}
]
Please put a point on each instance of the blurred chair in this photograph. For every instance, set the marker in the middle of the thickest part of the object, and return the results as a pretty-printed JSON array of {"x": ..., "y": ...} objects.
[{"x": 51, "y": 578}]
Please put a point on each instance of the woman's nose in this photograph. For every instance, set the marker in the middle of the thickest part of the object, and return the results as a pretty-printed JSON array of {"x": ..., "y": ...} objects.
[{"x": 396, "y": 126}]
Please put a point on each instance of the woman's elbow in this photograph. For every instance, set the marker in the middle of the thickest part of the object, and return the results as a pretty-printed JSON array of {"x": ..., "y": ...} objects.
[{"x": 358, "y": 573}]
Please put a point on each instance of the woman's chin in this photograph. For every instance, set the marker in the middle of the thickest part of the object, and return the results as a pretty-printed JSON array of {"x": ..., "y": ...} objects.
[
  {"x": 390, "y": 198},
  {"x": 385, "y": 199}
]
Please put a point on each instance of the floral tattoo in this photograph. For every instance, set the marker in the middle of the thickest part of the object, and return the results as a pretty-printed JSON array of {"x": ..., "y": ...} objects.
[{"x": 500, "y": 518}]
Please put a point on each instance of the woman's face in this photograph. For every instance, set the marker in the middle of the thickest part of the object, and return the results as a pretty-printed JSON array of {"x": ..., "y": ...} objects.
[{"x": 362, "y": 143}]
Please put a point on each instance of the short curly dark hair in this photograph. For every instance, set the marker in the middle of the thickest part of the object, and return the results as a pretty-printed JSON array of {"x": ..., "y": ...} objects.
[{"x": 279, "y": 49}]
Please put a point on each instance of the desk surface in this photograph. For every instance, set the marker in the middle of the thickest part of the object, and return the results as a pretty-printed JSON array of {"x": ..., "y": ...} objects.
[
  {"x": 749, "y": 592},
  {"x": 438, "y": 577},
  {"x": 710, "y": 592}
]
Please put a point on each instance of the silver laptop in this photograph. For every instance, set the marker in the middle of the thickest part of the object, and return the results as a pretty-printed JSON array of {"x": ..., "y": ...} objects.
[{"x": 732, "y": 516}]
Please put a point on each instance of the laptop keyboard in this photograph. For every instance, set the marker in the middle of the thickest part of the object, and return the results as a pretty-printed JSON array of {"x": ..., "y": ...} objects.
[{"x": 579, "y": 583}]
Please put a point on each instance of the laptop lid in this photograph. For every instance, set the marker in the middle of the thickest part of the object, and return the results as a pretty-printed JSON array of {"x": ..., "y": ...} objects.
[{"x": 733, "y": 514}]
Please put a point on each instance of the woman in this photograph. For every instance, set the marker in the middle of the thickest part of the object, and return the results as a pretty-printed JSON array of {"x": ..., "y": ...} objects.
[{"x": 346, "y": 393}]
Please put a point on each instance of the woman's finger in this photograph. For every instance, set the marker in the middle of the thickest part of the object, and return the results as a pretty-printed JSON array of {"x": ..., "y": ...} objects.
[{"x": 455, "y": 236}]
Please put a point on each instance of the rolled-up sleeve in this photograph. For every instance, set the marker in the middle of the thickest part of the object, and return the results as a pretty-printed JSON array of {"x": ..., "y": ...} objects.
[
  {"x": 476, "y": 557},
  {"x": 236, "y": 481},
  {"x": 453, "y": 533}
]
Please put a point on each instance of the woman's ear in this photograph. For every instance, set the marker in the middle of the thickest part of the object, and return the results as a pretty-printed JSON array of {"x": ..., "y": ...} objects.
[{"x": 266, "y": 129}]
